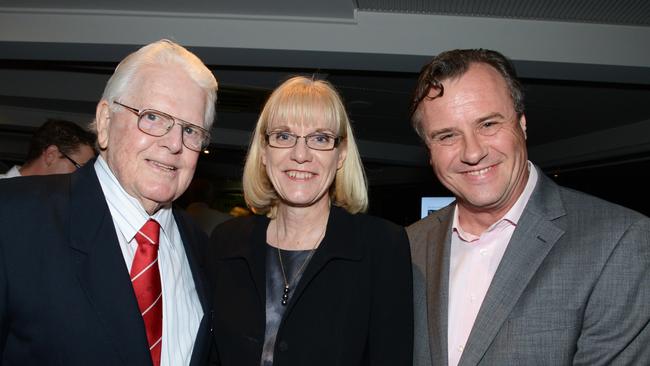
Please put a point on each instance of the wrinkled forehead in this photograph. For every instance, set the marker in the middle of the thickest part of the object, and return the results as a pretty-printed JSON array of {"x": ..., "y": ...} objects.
[{"x": 304, "y": 112}]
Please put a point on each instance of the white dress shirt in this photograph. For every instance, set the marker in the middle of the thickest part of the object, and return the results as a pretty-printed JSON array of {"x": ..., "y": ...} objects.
[
  {"x": 182, "y": 310},
  {"x": 473, "y": 262},
  {"x": 13, "y": 172}
]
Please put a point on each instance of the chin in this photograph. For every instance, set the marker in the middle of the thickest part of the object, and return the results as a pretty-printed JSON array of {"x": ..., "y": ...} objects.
[
  {"x": 161, "y": 198},
  {"x": 485, "y": 202},
  {"x": 299, "y": 203}
]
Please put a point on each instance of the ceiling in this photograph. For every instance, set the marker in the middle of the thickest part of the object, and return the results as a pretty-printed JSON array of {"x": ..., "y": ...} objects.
[
  {"x": 585, "y": 66},
  {"x": 624, "y": 12}
]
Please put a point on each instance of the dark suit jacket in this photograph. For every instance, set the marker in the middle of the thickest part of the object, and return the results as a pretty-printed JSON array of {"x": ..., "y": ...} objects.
[
  {"x": 65, "y": 293},
  {"x": 573, "y": 286},
  {"x": 352, "y": 306}
]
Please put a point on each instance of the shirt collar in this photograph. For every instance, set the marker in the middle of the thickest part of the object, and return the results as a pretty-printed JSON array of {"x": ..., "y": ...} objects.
[
  {"x": 14, "y": 172},
  {"x": 511, "y": 217},
  {"x": 127, "y": 212}
]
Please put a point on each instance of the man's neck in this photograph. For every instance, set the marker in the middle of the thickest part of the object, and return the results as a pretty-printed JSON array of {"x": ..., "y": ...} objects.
[
  {"x": 30, "y": 168},
  {"x": 475, "y": 220}
]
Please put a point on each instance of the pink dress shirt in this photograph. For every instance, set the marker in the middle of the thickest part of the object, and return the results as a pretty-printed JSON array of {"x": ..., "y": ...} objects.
[{"x": 474, "y": 260}]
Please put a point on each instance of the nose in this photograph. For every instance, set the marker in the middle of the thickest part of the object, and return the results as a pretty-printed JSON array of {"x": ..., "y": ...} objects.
[
  {"x": 173, "y": 139},
  {"x": 301, "y": 153},
  {"x": 473, "y": 150}
]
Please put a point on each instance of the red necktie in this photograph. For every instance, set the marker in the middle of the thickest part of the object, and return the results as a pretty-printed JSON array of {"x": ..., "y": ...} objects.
[{"x": 145, "y": 277}]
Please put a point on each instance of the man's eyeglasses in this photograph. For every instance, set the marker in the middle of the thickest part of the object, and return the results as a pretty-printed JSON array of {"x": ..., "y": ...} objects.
[
  {"x": 157, "y": 123},
  {"x": 76, "y": 165},
  {"x": 316, "y": 141}
]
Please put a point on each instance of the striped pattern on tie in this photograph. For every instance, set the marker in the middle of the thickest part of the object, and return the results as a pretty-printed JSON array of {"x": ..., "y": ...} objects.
[{"x": 145, "y": 277}]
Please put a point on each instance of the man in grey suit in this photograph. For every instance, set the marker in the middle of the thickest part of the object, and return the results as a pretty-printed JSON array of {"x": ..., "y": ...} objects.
[{"x": 518, "y": 270}]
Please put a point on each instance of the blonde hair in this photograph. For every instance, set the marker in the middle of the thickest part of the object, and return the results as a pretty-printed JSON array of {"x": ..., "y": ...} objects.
[{"x": 303, "y": 99}]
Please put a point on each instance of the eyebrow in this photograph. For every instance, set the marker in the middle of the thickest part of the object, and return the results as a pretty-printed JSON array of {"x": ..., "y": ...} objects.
[
  {"x": 284, "y": 128},
  {"x": 441, "y": 131},
  {"x": 496, "y": 115},
  {"x": 489, "y": 116},
  {"x": 143, "y": 110}
]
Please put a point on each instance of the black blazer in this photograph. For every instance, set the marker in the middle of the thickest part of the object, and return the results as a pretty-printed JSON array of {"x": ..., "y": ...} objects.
[
  {"x": 65, "y": 293},
  {"x": 353, "y": 305}
]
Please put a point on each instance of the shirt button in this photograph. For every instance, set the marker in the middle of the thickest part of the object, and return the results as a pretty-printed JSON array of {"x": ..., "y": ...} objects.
[
  {"x": 283, "y": 346},
  {"x": 483, "y": 252},
  {"x": 472, "y": 298},
  {"x": 461, "y": 348}
]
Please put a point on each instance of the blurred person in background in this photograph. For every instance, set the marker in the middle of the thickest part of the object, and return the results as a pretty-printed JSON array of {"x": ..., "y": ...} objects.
[{"x": 57, "y": 147}]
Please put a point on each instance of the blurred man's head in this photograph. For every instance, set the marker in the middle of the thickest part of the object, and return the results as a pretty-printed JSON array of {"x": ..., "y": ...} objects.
[
  {"x": 154, "y": 119},
  {"x": 58, "y": 147}
]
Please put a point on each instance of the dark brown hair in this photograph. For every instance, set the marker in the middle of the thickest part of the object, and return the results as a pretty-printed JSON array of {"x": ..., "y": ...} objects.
[
  {"x": 66, "y": 135},
  {"x": 453, "y": 64}
]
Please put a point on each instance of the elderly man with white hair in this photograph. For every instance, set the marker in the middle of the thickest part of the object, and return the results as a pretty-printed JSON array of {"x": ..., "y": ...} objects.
[{"x": 96, "y": 268}]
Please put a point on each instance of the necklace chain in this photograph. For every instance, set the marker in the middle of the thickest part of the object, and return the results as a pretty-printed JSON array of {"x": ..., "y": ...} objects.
[{"x": 287, "y": 283}]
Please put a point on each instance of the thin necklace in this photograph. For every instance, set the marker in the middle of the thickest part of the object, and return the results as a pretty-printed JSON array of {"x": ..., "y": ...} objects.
[{"x": 287, "y": 283}]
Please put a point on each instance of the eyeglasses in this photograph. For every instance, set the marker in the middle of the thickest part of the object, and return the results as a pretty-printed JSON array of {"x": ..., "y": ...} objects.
[
  {"x": 76, "y": 165},
  {"x": 157, "y": 123},
  {"x": 451, "y": 137},
  {"x": 315, "y": 141}
]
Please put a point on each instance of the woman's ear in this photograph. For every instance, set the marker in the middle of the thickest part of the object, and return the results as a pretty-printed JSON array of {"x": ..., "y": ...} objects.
[{"x": 343, "y": 153}]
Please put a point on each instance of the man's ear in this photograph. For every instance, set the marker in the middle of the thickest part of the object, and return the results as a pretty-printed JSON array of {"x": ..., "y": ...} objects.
[
  {"x": 103, "y": 121},
  {"x": 50, "y": 155},
  {"x": 522, "y": 124}
]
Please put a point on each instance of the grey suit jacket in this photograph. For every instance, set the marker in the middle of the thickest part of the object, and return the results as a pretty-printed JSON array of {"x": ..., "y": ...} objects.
[{"x": 573, "y": 286}]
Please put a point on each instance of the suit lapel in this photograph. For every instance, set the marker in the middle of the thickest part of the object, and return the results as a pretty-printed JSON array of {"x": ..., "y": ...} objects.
[
  {"x": 437, "y": 272},
  {"x": 255, "y": 254},
  {"x": 101, "y": 270},
  {"x": 531, "y": 241},
  {"x": 251, "y": 247}
]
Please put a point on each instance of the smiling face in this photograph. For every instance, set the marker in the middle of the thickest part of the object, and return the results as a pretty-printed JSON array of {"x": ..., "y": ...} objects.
[
  {"x": 154, "y": 170},
  {"x": 301, "y": 176},
  {"x": 485, "y": 173}
]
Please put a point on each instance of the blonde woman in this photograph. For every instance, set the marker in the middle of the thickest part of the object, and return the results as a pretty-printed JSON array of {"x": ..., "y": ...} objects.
[{"x": 311, "y": 280}]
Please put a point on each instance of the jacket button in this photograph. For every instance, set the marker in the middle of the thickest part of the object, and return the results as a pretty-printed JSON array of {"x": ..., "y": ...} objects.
[{"x": 283, "y": 346}]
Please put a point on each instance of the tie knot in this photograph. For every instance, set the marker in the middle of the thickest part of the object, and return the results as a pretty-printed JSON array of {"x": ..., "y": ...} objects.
[{"x": 149, "y": 233}]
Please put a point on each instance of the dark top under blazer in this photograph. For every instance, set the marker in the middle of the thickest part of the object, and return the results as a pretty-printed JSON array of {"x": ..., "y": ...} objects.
[
  {"x": 352, "y": 306},
  {"x": 65, "y": 293}
]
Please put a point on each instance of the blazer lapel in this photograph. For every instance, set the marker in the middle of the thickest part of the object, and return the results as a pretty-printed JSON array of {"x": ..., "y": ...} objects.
[
  {"x": 437, "y": 267},
  {"x": 341, "y": 240},
  {"x": 337, "y": 243},
  {"x": 531, "y": 241},
  {"x": 101, "y": 270}
]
